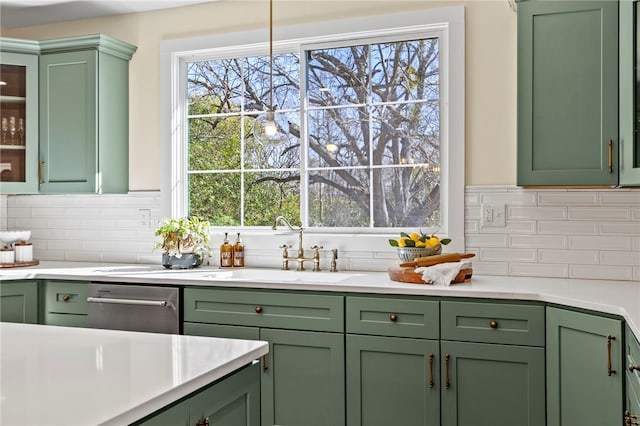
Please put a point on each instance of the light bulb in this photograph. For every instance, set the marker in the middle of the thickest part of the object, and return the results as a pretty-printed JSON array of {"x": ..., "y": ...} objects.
[{"x": 270, "y": 128}]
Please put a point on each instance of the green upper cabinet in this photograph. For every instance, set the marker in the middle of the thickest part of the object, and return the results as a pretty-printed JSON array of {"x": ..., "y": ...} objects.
[
  {"x": 629, "y": 93},
  {"x": 19, "y": 116},
  {"x": 584, "y": 369},
  {"x": 568, "y": 93},
  {"x": 84, "y": 115}
]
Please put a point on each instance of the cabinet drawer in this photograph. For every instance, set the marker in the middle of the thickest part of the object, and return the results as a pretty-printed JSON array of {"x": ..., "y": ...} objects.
[
  {"x": 393, "y": 317},
  {"x": 264, "y": 309},
  {"x": 493, "y": 323},
  {"x": 66, "y": 297}
]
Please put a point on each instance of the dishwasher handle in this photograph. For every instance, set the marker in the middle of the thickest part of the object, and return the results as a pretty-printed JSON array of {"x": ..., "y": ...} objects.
[{"x": 160, "y": 303}]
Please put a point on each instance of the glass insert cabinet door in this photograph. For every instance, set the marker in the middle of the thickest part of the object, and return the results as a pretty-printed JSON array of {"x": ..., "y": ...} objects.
[
  {"x": 18, "y": 123},
  {"x": 13, "y": 109}
]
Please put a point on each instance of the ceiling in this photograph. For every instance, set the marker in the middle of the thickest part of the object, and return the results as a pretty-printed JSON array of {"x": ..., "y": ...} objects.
[{"x": 24, "y": 13}]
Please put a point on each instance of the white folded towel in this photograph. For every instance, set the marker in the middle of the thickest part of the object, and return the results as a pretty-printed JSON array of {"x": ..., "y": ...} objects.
[{"x": 442, "y": 273}]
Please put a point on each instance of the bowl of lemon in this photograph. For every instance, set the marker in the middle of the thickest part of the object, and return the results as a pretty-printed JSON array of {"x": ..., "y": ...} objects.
[{"x": 418, "y": 244}]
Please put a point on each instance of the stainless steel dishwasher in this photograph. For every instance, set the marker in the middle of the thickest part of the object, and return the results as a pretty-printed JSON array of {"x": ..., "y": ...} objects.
[{"x": 134, "y": 307}]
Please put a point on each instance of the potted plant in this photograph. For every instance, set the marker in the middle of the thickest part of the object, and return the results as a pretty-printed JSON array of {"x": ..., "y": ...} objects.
[{"x": 184, "y": 241}]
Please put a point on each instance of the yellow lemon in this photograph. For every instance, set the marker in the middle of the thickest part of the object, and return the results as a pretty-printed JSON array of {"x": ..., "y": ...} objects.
[
  {"x": 432, "y": 241},
  {"x": 420, "y": 244},
  {"x": 414, "y": 236},
  {"x": 402, "y": 242}
]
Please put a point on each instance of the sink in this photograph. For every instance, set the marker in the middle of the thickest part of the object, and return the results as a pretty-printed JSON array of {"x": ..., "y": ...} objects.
[
  {"x": 246, "y": 275},
  {"x": 270, "y": 275}
]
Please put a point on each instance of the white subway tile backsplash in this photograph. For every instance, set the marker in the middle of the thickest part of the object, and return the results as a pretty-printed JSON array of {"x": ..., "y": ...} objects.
[
  {"x": 526, "y": 213},
  {"x": 539, "y": 270},
  {"x": 538, "y": 241},
  {"x": 620, "y": 258},
  {"x": 567, "y": 227},
  {"x": 487, "y": 240},
  {"x": 565, "y": 198},
  {"x": 490, "y": 268},
  {"x": 621, "y": 197},
  {"x": 626, "y": 228},
  {"x": 508, "y": 255},
  {"x": 600, "y": 213},
  {"x": 599, "y": 242},
  {"x": 581, "y": 257},
  {"x": 601, "y": 272},
  {"x": 548, "y": 233}
]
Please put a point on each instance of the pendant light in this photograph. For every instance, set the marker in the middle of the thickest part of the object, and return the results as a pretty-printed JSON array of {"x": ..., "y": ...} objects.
[{"x": 270, "y": 128}]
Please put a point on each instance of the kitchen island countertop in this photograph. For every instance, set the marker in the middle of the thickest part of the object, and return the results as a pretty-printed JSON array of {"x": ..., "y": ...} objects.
[{"x": 72, "y": 376}]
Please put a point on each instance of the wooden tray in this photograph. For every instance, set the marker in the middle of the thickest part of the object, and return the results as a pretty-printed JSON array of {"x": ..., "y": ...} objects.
[
  {"x": 19, "y": 264},
  {"x": 407, "y": 274}
]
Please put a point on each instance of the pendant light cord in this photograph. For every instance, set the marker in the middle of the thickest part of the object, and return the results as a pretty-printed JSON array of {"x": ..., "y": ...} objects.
[{"x": 270, "y": 55}]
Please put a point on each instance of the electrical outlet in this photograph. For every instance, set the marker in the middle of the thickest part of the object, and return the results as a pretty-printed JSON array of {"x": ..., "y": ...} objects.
[
  {"x": 493, "y": 215},
  {"x": 144, "y": 218}
]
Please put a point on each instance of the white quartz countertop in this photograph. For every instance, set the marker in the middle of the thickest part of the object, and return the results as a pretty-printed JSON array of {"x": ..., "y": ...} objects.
[
  {"x": 73, "y": 376},
  {"x": 614, "y": 297}
]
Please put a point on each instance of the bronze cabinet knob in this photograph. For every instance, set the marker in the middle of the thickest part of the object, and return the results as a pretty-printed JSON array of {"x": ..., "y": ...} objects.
[
  {"x": 258, "y": 310},
  {"x": 493, "y": 324},
  {"x": 393, "y": 317},
  {"x": 66, "y": 297}
]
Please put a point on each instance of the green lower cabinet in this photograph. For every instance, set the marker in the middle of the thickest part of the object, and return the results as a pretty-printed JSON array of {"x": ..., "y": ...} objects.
[
  {"x": 233, "y": 401},
  {"x": 392, "y": 381},
  {"x": 19, "y": 301},
  {"x": 490, "y": 384},
  {"x": 584, "y": 369},
  {"x": 303, "y": 379}
]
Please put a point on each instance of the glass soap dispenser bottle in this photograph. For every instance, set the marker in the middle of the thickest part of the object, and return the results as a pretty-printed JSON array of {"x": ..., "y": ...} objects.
[
  {"x": 238, "y": 253},
  {"x": 226, "y": 253}
]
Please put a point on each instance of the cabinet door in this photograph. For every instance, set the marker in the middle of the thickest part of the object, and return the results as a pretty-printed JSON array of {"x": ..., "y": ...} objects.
[
  {"x": 234, "y": 401},
  {"x": 629, "y": 93},
  {"x": 489, "y": 384},
  {"x": 19, "y": 302},
  {"x": 303, "y": 379},
  {"x": 19, "y": 115},
  {"x": 392, "y": 381},
  {"x": 584, "y": 369},
  {"x": 567, "y": 93},
  {"x": 68, "y": 132}
]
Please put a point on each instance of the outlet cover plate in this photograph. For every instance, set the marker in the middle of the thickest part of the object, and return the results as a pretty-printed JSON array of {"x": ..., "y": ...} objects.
[{"x": 493, "y": 215}]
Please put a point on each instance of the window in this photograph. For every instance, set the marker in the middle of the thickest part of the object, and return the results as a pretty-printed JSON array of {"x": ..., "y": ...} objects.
[{"x": 376, "y": 126}]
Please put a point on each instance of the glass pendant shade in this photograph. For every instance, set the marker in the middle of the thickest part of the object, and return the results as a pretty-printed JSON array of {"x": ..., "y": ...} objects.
[{"x": 270, "y": 128}]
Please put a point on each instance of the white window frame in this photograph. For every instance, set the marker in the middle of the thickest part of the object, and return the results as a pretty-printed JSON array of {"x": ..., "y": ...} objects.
[{"x": 448, "y": 23}]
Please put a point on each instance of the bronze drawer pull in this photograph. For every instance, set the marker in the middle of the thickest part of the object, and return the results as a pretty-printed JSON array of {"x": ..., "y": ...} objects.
[
  {"x": 610, "y": 160},
  {"x": 393, "y": 317},
  {"x": 258, "y": 309},
  {"x": 431, "y": 371},
  {"x": 447, "y": 385},
  {"x": 634, "y": 367},
  {"x": 493, "y": 324},
  {"x": 204, "y": 422},
  {"x": 610, "y": 371},
  {"x": 66, "y": 297}
]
